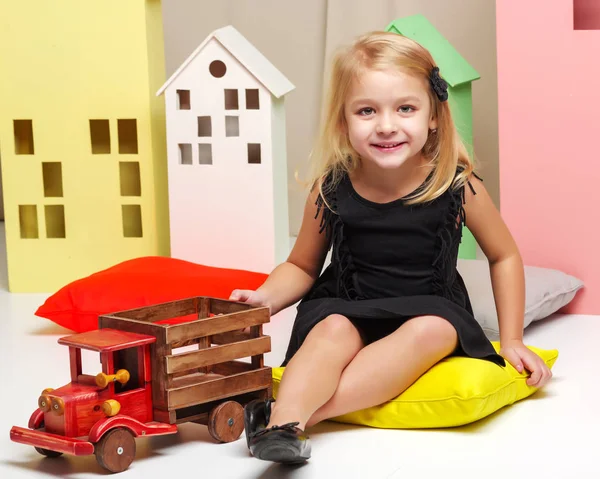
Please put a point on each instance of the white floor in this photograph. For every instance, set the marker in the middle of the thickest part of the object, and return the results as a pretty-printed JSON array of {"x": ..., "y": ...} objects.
[{"x": 553, "y": 434}]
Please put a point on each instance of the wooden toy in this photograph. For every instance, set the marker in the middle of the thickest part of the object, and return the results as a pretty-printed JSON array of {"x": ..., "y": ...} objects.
[
  {"x": 460, "y": 75},
  {"x": 147, "y": 385},
  {"x": 226, "y": 156}
]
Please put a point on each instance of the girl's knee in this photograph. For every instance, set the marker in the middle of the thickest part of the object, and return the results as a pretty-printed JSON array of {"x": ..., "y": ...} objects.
[
  {"x": 435, "y": 332},
  {"x": 337, "y": 328}
]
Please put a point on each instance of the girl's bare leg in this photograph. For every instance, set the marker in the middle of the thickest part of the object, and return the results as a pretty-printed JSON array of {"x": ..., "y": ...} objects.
[
  {"x": 312, "y": 375},
  {"x": 385, "y": 368}
]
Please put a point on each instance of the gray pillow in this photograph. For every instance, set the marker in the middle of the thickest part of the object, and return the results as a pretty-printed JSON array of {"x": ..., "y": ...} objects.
[{"x": 546, "y": 291}]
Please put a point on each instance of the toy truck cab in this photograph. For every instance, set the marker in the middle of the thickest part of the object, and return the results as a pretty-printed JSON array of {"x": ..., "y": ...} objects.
[
  {"x": 124, "y": 384},
  {"x": 92, "y": 414}
]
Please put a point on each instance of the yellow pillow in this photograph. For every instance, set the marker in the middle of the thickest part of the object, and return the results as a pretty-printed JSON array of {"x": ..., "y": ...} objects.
[{"x": 454, "y": 392}]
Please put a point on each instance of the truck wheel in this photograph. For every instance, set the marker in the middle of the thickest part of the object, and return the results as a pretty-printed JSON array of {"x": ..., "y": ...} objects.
[
  {"x": 115, "y": 450},
  {"x": 47, "y": 452},
  {"x": 226, "y": 421}
]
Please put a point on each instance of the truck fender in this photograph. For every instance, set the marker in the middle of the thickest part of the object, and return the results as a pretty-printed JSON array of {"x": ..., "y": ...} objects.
[
  {"x": 36, "y": 419},
  {"x": 136, "y": 427}
]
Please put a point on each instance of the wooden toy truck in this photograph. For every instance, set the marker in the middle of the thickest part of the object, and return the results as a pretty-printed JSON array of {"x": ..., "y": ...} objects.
[{"x": 147, "y": 387}]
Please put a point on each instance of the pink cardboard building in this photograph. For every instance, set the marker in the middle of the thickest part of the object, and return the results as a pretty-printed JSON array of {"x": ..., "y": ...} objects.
[{"x": 549, "y": 128}]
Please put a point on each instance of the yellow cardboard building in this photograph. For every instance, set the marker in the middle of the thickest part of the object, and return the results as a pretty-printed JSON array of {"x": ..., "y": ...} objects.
[{"x": 82, "y": 138}]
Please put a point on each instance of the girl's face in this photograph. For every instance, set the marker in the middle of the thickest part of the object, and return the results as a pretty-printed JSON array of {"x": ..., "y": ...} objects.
[{"x": 388, "y": 114}]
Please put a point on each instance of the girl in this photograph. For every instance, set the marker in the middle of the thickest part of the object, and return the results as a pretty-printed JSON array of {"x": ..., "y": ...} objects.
[{"x": 392, "y": 188}]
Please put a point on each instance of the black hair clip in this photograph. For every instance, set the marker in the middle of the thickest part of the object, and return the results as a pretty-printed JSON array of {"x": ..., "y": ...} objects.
[{"x": 439, "y": 85}]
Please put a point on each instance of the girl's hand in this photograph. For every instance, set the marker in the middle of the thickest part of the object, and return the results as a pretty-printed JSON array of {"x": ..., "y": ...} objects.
[
  {"x": 520, "y": 356},
  {"x": 253, "y": 298}
]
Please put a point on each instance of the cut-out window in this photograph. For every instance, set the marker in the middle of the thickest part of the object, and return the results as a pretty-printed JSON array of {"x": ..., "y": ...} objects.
[
  {"x": 232, "y": 126},
  {"x": 231, "y": 100},
  {"x": 55, "y": 221},
  {"x": 185, "y": 154},
  {"x": 217, "y": 69},
  {"x": 128, "y": 139},
  {"x": 586, "y": 14},
  {"x": 129, "y": 173},
  {"x": 204, "y": 126},
  {"x": 132, "y": 221},
  {"x": 28, "y": 221},
  {"x": 254, "y": 153},
  {"x": 52, "y": 176},
  {"x": 23, "y": 137},
  {"x": 183, "y": 100},
  {"x": 252, "y": 102},
  {"x": 205, "y": 154},
  {"x": 100, "y": 136}
]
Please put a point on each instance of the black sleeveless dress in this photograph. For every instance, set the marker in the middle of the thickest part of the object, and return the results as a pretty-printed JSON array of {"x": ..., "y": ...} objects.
[{"x": 392, "y": 262}]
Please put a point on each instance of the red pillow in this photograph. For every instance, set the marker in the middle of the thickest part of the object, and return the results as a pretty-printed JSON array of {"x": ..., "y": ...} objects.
[{"x": 140, "y": 282}]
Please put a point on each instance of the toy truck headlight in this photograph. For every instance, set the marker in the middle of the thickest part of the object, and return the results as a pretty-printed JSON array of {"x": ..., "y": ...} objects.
[
  {"x": 44, "y": 403},
  {"x": 110, "y": 407},
  {"x": 57, "y": 406}
]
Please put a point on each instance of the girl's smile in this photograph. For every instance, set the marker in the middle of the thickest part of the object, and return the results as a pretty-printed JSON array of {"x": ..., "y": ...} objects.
[{"x": 388, "y": 147}]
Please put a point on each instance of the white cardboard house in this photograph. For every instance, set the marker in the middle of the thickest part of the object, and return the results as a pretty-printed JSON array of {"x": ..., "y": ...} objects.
[{"x": 226, "y": 149}]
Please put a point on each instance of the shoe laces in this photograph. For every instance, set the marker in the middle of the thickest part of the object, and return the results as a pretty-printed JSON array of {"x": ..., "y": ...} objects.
[{"x": 289, "y": 427}]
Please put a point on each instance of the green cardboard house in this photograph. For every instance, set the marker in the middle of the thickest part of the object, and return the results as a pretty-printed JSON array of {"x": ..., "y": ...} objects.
[{"x": 459, "y": 74}]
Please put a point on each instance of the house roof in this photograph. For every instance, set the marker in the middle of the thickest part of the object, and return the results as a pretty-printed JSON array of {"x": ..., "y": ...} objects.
[
  {"x": 453, "y": 67},
  {"x": 248, "y": 55},
  {"x": 106, "y": 340}
]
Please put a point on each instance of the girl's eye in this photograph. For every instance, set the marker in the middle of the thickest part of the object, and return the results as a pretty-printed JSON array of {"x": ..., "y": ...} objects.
[
  {"x": 366, "y": 111},
  {"x": 406, "y": 109}
]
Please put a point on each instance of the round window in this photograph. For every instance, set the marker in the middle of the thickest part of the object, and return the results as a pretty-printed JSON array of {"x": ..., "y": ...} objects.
[{"x": 217, "y": 68}]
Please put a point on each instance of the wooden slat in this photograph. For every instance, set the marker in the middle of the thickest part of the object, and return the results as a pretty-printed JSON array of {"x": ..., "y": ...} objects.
[
  {"x": 220, "y": 306},
  {"x": 217, "y": 354},
  {"x": 193, "y": 379},
  {"x": 258, "y": 361},
  {"x": 177, "y": 375},
  {"x": 160, "y": 379},
  {"x": 203, "y": 308},
  {"x": 231, "y": 367},
  {"x": 238, "y": 335},
  {"x": 219, "y": 388},
  {"x": 203, "y": 343},
  {"x": 216, "y": 324},
  {"x": 183, "y": 344},
  {"x": 231, "y": 337},
  {"x": 133, "y": 325},
  {"x": 159, "y": 312}
]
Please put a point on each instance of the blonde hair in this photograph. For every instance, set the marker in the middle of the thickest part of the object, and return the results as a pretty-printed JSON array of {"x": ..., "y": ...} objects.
[{"x": 333, "y": 155}]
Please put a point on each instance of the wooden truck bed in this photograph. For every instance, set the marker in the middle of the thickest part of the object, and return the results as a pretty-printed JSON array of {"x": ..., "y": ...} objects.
[{"x": 187, "y": 384}]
